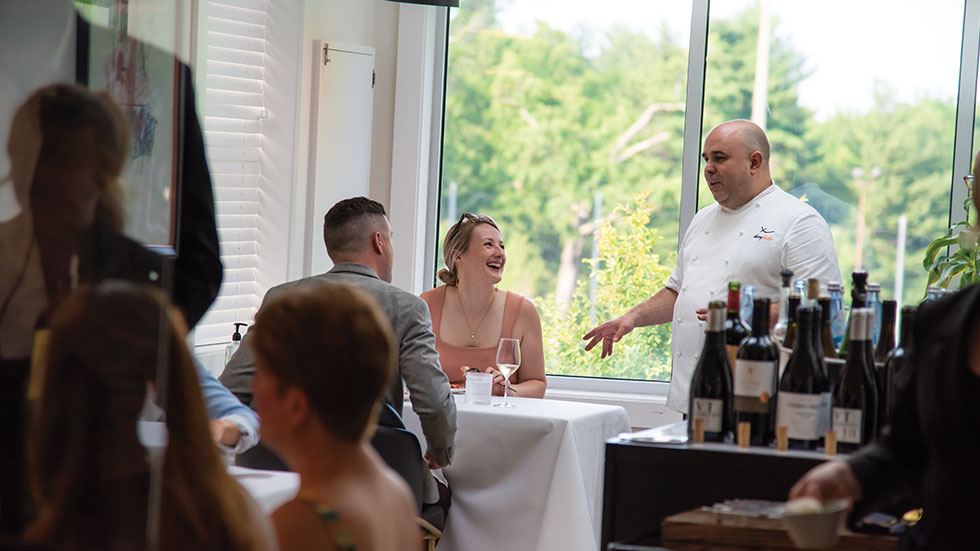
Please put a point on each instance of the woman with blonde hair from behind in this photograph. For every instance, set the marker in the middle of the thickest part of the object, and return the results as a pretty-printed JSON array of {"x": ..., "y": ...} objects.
[
  {"x": 324, "y": 355},
  {"x": 113, "y": 349}
]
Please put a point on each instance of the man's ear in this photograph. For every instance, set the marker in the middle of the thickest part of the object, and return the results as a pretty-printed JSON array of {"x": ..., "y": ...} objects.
[
  {"x": 377, "y": 243},
  {"x": 755, "y": 160},
  {"x": 297, "y": 405}
]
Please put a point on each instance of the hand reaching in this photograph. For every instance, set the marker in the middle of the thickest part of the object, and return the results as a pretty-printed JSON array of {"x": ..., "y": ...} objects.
[
  {"x": 828, "y": 481},
  {"x": 609, "y": 333}
]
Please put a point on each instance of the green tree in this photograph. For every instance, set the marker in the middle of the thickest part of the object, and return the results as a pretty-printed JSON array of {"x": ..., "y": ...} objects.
[{"x": 627, "y": 273}]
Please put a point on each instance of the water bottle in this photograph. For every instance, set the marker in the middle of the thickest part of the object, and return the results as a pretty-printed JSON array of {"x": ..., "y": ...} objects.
[
  {"x": 838, "y": 317},
  {"x": 933, "y": 292},
  {"x": 874, "y": 302},
  {"x": 745, "y": 306}
]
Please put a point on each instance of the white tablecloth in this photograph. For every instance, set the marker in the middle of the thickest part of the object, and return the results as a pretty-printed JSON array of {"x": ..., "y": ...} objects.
[
  {"x": 528, "y": 478},
  {"x": 270, "y": 489}
]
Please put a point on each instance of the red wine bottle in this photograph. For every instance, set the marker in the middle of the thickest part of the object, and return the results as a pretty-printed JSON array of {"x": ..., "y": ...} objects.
[
  {"x": 886, "y": 343},
  {"x": 896, "y": 364},
  {"x": 711, "y": 386},
  {"x": 756, "y": 364},
  {"x": 800, "y": 403},
  {"x": 854, "y": 407},
  {"x": 735, "y": 329}
]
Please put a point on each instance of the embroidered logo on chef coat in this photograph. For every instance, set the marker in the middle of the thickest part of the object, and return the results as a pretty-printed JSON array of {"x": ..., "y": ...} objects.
[{"x": 763, "y": 234}]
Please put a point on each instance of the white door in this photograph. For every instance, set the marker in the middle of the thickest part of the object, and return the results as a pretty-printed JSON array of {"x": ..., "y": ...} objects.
[{"x": 340, "y": 137}]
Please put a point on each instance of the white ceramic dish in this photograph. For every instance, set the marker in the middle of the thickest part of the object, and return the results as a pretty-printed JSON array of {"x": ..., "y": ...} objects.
[{"x": 817, "y": 529}]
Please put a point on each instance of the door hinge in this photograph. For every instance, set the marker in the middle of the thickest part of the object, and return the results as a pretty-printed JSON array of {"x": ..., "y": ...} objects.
[
  {"x": 326, "y": 54},
  {"x": 373, "y": 77}
]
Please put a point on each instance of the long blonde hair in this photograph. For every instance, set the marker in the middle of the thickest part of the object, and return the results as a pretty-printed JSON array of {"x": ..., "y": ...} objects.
[
  {"x": 86, "y": 464},
  {"x": 457, "y": 241}
]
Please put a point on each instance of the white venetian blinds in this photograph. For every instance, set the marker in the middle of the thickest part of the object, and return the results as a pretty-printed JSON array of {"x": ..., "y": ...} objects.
[{"x": 233, "y": 110}]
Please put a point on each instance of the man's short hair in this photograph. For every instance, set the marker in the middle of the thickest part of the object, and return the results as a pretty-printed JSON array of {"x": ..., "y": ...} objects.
[
  {"x": 348, "y": 225},
  {"x": 332, "y": 342}
]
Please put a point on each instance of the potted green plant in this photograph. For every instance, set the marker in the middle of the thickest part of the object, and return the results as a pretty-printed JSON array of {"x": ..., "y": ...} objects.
[{"x": 958, "y": 252}]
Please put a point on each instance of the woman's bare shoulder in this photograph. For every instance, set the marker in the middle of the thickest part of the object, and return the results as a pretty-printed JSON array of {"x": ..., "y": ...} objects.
[
  {"x": 296, "y": 524},
  {"x": 527, "y": 315},
  {"x": 431, "y": 294}
]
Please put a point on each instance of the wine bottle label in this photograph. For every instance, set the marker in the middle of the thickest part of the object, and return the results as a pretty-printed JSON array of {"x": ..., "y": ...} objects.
[
  {"x": 847, "y": 425},
  {"x": 784, "y": 354},
  {"x": 731, "y": 349},
  {"x": 710, "y": 412},
  {"x": 826, "y": 405},
  {"x": 800, "y": 413},
  {"x": 755, "y": 379}
]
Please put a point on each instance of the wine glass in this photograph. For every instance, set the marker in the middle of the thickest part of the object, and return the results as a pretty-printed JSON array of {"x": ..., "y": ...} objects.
[{"x": 508, "y": 360}]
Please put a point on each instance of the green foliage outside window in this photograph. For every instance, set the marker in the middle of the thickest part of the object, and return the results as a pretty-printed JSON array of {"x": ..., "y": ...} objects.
[
  {"x": 962, "y": 258},
  {"x": 627, "y": 273}
]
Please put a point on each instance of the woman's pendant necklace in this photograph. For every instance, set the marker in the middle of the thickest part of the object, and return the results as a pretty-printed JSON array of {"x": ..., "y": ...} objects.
[{"x": 485, "y": 312}]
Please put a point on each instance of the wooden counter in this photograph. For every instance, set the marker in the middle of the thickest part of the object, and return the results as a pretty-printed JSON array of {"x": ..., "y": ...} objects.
[{"x": 698, "y": 530}]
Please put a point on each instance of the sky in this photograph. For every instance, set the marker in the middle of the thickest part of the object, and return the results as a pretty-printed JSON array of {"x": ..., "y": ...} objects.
[{"x": 910, "y": 45}]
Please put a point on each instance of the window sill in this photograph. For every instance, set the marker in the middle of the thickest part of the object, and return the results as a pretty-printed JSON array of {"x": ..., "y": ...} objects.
[{"x": 644, "y": 410}]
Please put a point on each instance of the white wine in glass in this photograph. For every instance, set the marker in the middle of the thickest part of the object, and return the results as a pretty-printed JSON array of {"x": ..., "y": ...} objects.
[{"x": 508, "y": 361}]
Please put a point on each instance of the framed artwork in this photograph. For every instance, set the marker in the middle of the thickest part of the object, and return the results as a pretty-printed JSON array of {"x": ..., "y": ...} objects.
[{"x": 143, "y": 76}]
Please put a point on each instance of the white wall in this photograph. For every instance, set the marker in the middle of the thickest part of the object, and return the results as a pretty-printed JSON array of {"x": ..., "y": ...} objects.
[
  {"x": 362, "y": 22},
  {"x": 385, "y": 58},
  {"x": 283, "y": 73}
]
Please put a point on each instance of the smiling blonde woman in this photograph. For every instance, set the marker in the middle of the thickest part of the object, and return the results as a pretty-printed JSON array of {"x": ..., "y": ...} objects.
[{"x": 470, "y": 315}]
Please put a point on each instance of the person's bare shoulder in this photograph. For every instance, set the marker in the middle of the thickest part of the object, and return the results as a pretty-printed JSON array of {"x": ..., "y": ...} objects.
[
  {"x": 404, "y": 501},
  {"x": 528, "y": 320},
  {"x": 297, "y": 526},
  {"x": 427, "y": 296}
]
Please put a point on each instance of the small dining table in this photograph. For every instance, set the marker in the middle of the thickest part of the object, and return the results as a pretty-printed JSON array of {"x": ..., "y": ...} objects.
[
  {"x": 528, "y": 477},
  {"x": 269, "y": 489}
]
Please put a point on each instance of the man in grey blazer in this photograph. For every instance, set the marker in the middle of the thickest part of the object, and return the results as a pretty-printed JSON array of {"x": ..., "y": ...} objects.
[{"x": 357, "y": 235}]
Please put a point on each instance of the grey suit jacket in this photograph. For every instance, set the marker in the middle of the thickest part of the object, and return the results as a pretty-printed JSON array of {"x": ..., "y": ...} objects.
[{"x": 418, "y": 361}]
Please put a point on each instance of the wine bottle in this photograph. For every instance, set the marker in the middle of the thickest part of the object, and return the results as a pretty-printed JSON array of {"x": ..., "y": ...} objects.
[
  {"x": 735, "y": 329},
  {"x": 756, "y": 364},
  {"x": 711, "y": 386},
  {"x": 791, "y": 324},
  {"x": 854, "y": 406},
  {"x": 896, "y": 364},
  {"x": 812, "y": 291},
  {"x": 832, "y": 363},
  {"x": 886, "y": 341},
  {"x": 859, "y": 296},
  {"x": 826, "y": 398},
  {"x": 869, "y": 353},
  {"x": 826, "y": 327},
  {"x": 799, "y": 406},
  {"x": 792, "y": 330},
  {"x": 779, "y": 330}
]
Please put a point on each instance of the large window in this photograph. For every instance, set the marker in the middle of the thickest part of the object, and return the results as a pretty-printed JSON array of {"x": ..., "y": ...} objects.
[
  {"x": 556, "y": 113},
  {"x": 566, "y": 122},
  {"x": 861, "y": 119}
]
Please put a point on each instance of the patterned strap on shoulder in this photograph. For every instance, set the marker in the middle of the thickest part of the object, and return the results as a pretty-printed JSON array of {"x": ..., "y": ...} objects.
[{"x": 341, "y": 537}]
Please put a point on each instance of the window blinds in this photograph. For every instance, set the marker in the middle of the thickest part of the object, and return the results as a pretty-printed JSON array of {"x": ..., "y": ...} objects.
[{"x": 233, "y": 111}]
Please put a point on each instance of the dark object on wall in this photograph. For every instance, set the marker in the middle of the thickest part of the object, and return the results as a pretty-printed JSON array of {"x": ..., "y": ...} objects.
[{"x": 445, "y": 3}]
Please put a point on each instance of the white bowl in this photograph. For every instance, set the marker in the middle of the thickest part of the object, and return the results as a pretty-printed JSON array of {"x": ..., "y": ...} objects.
[{"x": 816, "y": 530}]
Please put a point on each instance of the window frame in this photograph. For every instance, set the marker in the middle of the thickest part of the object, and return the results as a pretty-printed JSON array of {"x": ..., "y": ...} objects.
[{"x": 962, "y": 158}]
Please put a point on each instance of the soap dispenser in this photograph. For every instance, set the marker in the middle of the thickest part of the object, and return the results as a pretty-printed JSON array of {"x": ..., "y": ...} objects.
[{"x": 236, "y": 340}]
